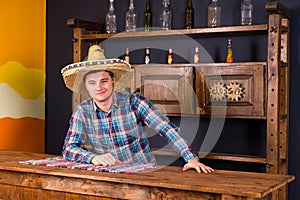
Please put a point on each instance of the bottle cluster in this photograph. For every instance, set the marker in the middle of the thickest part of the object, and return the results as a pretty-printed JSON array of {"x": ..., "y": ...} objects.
[
  {"x": 170, "y": 58},
  {"x": 214, "y": 15}
]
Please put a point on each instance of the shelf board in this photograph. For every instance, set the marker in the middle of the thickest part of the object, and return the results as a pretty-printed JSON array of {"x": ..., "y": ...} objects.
[
  {"x": 190, "y": 32},
  {"x": 217, "y": 64},
  {"x": 217, "y": 156}
]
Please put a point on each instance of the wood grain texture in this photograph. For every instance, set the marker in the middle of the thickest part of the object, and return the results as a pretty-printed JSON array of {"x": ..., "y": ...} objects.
[
  {"x": 251, "y": 78},
  {"x": 169, "y": 87},
  {"x": 165, "y": 182},
  {"x": 266, "y": 84}
]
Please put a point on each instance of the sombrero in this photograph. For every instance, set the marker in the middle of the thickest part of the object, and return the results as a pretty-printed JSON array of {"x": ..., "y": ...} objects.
[{"x": 73, "y": 73}]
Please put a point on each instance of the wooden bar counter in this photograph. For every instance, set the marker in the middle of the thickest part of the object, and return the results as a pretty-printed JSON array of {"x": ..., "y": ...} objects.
[{"x": 29, "y": 182}]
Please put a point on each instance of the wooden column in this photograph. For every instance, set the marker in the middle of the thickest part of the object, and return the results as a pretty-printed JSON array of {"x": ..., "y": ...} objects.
[
  {"x": 78, "y": 55},
  {"x": 278, "y": 92}
]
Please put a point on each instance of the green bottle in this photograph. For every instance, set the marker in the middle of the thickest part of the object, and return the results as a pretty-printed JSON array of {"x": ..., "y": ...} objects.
[{"x": 148, "y": 16}]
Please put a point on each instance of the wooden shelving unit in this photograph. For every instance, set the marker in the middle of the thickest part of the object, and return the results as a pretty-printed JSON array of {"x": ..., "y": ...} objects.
[{"x": 268, "y": 80}]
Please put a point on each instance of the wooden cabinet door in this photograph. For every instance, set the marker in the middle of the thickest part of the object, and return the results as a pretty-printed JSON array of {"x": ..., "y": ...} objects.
[
  {"x": 169, "y": 87},
  {"x": 233, "y": 90}
]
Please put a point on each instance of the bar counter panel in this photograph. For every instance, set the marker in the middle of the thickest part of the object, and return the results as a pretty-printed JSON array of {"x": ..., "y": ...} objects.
[{"x": 30, "y": 182}]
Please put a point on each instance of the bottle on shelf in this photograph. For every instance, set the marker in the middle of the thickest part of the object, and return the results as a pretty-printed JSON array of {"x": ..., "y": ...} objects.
[
  {"x": 147, "y": 56},
  {"x": 229, "y": 57},
  {"x": 189, "y": 15},
  {"x": 166, "y": 15},
  {"x": 131, "y": 18},
  {"x": 127, "y": 57},
  {"x": 111, "y": 18},
  {"x": 148, "y": 16},
  {"x": 170, "y": 55},
  {"x": 246, "y": 12},
  {"x": 214, "y": 14},
  {"x": 196, "y": 55}
]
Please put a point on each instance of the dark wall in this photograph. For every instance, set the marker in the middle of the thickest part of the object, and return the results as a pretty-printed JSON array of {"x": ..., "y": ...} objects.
[{"x": 60, "y": 52}]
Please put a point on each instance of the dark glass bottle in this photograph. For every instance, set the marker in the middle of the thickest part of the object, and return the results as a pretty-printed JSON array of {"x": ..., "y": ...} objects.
[
  {"x": 148, "y": 16},
  {"x": 189, "y": 15}
]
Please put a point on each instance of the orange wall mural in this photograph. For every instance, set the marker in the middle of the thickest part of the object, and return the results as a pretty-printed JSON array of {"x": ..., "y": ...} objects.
[{"x": 22, "y": 75}]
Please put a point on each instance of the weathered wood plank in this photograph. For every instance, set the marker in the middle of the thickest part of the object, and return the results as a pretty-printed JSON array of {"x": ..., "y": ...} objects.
[
  {"x": 80, "y": 23},
  {"x": 277, "y": 8},
  {"x": 170, "y": 87},
  {"x": 170, "y": 181},
  {"x": 191, "y": 32},
  {"x": 216, "y": 156},
  {"x": 237, "y": 90}
]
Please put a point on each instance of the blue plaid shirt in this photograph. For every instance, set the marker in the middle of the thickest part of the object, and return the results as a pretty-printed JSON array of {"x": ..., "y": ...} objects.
[{"x": 120, "y": 131}]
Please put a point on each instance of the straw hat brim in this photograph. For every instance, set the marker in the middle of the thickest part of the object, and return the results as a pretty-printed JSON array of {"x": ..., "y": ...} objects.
[{"x": 73, "y": 74}]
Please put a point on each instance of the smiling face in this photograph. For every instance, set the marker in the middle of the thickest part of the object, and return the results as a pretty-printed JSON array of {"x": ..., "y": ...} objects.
[{"x": 100, "y": 86}]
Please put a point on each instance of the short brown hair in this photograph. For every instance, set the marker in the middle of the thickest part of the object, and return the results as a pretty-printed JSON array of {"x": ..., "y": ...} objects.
[{"x": 111, "y": 74}]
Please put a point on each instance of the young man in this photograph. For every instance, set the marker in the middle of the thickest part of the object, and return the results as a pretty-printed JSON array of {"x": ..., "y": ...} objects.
[{"x": 111, "y": 122}]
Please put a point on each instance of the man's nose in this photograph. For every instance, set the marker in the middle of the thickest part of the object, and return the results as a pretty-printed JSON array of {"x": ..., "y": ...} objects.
[{"x": 99, "y": 84}]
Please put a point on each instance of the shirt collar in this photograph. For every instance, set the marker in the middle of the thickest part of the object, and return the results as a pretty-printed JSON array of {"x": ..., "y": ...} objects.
[{"x": 115, "y": 103}]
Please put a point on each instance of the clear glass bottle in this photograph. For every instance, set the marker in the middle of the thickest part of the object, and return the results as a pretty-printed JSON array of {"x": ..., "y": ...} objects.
[
  {"x": 111, "y": 19},
  {"x": 189, "y": 15},
  {"x": 166, "y": 15},
  {"x": 148, "y": 16},
  {"x": 246, "y": 12},
  {"x": 214, "y": 14},
  {"x": 131, "y": 18}
]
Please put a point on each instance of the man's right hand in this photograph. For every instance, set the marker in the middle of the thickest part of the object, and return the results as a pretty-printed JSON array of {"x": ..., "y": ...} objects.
[{"x": 105, "y": 160}]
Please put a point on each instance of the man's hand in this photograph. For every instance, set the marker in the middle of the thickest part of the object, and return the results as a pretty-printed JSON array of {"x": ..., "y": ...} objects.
[
  {"x": 105, "y": 160},
  {"x": 198, "y": 166}
]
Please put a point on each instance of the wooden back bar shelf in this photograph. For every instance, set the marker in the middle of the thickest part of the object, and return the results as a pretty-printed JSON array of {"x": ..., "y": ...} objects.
[
  {"x": 167, "y": 33},
  {"x": 265, "y": 85}
]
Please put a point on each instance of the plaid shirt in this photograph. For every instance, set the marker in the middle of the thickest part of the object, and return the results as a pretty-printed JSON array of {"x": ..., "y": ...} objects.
[{"x": 120, "y": 131}]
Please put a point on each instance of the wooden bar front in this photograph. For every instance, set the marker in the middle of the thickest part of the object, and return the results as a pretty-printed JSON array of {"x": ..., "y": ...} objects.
[{"x": 31, "y": 182}]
